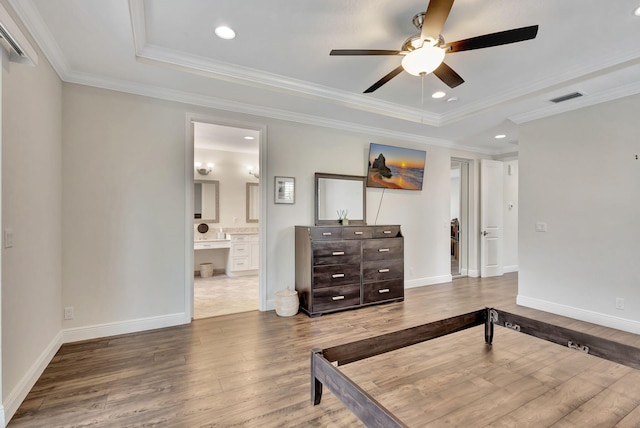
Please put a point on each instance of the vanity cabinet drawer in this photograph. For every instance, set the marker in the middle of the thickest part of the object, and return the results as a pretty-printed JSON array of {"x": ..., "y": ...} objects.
[
  {"x": 244, "y": 238},
  {"x": 385, "y": 231},
  {"x": 326, "y": 233},
  {"x": 381, "y": 249},
  {"x": 240, "y": 263},
  {"x": 339, "y": 252},
  {"x": 328, "y": 299},
  {"x": 333, "y": 275},
  {"x": 239, "y": 249},
  {"x": 384, "y": 290},
  {"x": 380, "y": 270},
  {"x": 356, "y": 232}
]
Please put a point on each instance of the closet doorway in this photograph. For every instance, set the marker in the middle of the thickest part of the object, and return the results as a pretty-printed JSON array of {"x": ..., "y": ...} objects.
[
  {"x": 226, "y": 210},
  {"x": 459, "y": 249}
]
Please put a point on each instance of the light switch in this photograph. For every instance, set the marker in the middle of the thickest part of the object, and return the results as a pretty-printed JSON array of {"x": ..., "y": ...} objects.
[
  {"x": 8, "y": 238},
  {"x": 541, "y": 226}
]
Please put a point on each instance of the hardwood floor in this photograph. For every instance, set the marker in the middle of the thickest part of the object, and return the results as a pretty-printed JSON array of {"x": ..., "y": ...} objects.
[{"x": 252, "y": 369}]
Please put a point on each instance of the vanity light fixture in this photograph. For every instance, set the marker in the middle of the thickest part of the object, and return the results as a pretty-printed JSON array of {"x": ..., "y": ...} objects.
[
  {"x": 249, "y": 137},
  {"x": 252, "y": 172},
  {"x": 202, "y": 170}
]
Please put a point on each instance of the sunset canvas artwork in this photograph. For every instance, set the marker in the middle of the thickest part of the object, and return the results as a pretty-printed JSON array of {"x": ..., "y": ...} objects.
[{"x": 395, "y": 167}]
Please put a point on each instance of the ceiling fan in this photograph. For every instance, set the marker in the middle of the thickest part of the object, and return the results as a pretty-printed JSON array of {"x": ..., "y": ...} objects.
[{"x": 424, "y": 53}]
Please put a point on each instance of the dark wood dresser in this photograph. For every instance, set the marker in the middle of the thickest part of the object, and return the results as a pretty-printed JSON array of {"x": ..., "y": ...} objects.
[{"x": 346, "y": 267}]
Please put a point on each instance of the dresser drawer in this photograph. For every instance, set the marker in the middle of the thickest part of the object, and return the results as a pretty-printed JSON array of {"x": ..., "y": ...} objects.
[
  {"x": 356, "y": 232},
  {"x": 332, "y": 275},
  {"x": 384, "y": 290},
  {"x": 380, "y": 249},
  {"x": 380, "y": 270},
  {"x": 385, "y": 231},
  {"x": 336, "y": 252},
  {"x": 325, "y": 233},
  {"x": 326, "y": 299}
]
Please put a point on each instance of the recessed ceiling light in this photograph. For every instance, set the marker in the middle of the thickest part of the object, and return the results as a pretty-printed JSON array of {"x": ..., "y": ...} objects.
[
  {"x": 500, "y": 136},
  {"x": 452, "y": 99},
  {"x": 225, "y": 32},
  {"x": 249, "y": 137},
  {"x": 637, "y": 12},
  {"x": 438, "y": 94}
]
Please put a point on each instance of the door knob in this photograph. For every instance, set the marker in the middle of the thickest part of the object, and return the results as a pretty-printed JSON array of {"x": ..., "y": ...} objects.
[{"x": 485, "y": 233}]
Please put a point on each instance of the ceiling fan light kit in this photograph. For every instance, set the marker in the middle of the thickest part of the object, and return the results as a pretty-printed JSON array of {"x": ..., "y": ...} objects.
[
  {"x": 424, "y": 53},
  {"x": 423, "y": 60}
]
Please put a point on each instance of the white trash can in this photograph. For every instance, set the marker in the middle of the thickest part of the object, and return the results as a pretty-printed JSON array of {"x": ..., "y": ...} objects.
[
  {"x": 287, "y": 303},
  {"x": 206, "y": 270}
]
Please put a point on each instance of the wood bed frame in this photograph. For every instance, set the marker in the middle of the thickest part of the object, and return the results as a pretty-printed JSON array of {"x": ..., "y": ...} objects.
[{"x": 373, "y": 414}]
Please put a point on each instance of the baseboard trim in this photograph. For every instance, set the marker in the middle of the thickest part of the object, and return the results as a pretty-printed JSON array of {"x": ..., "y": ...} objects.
[
  {"x": 580, "y": 314},
  {"x": 132, "y": 326},
  {"x": 19, "y": 393},
  {"x": 432, "y": 280},
  {"x": 512, "y": 268}
]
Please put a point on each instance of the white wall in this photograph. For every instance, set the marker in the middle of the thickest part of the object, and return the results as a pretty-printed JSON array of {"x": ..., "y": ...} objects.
[
  {"x": 31, "y": 206},
  {"x": 579, "y": 174}
]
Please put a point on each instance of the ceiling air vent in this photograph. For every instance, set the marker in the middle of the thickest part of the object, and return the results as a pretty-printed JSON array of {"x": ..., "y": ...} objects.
[{"x": 566, "y": 97}]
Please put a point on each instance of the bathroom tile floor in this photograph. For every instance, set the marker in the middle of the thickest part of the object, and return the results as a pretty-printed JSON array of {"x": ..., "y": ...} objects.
[{"x": 222, "y": 295}]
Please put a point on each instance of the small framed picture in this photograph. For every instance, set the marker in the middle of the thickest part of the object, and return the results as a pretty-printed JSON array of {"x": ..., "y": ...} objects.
[{"x": 284, "y": 190}]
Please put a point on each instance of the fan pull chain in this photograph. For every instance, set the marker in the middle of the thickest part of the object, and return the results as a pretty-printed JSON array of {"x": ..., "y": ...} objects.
[{"x": 422, "y": 78}]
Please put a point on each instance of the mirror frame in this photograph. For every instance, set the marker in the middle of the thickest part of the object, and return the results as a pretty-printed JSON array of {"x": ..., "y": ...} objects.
[
  {"x": 248, "y": 194},
  {"x": 216, "y": 183},
  {"x": 361, "y": 179}
]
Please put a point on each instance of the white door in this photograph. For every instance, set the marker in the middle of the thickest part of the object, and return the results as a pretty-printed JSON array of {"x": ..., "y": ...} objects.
[{"x": 491, "y": 218}]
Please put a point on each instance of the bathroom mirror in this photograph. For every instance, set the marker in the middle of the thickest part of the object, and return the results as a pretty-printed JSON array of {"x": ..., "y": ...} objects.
[
  {"x": 336, "y": 192},
  {"x": 253, "y": 203},
  {"x": 206, "y": 196}
]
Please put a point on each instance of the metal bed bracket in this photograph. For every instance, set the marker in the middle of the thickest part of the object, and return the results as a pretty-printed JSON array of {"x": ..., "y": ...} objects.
[
  {"x": 512, "y": 326},
  {"x": 578, "y": 347}
]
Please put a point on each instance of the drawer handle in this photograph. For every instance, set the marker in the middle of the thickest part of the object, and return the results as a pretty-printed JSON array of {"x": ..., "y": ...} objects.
[
  {"x": 383, "y": 250},
  {"x": 388, "y": 232},
  {"x": 337, "y": 275},
  {"x": 239, "y": 249},
  {"x": 357, "y": 233},
  {"x": 337, "y": 298},
  {"x": 326, "y": 233},
  {"x": 338, "y": 253},
  {"x": 384, "y": 290},
  {"x": 383, "y": 270}
]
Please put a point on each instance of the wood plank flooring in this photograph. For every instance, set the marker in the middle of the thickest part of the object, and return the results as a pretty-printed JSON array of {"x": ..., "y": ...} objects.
[{"x": 252, "y": 370}]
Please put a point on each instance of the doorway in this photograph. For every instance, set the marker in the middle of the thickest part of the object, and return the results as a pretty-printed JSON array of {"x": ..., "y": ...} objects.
[
  {"x": 459, "y": 248},
  {"x": 226, "y": 223}
]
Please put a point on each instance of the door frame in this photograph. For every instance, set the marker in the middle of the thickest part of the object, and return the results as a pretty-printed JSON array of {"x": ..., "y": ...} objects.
[{"x": 190, "y": 118}]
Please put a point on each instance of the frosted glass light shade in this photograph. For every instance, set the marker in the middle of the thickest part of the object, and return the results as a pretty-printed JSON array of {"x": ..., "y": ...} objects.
[{"x": 423, "y": 60}]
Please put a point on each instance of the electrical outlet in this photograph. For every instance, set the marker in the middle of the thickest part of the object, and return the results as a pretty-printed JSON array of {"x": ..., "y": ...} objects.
[
  {"x": 620, "y": 303},
  {"x": 541, "y": 226},
  {"x": 68, "y": 313}
]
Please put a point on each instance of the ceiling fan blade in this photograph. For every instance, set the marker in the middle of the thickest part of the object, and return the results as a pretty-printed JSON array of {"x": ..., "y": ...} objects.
[
  {"x": 364, "y": 52},
  {"x": 448, "y": 76},
  {"x": 434, "y": 18},
  {"x": 384, "y": 80},
  {"x": 494, "y": 39}
]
